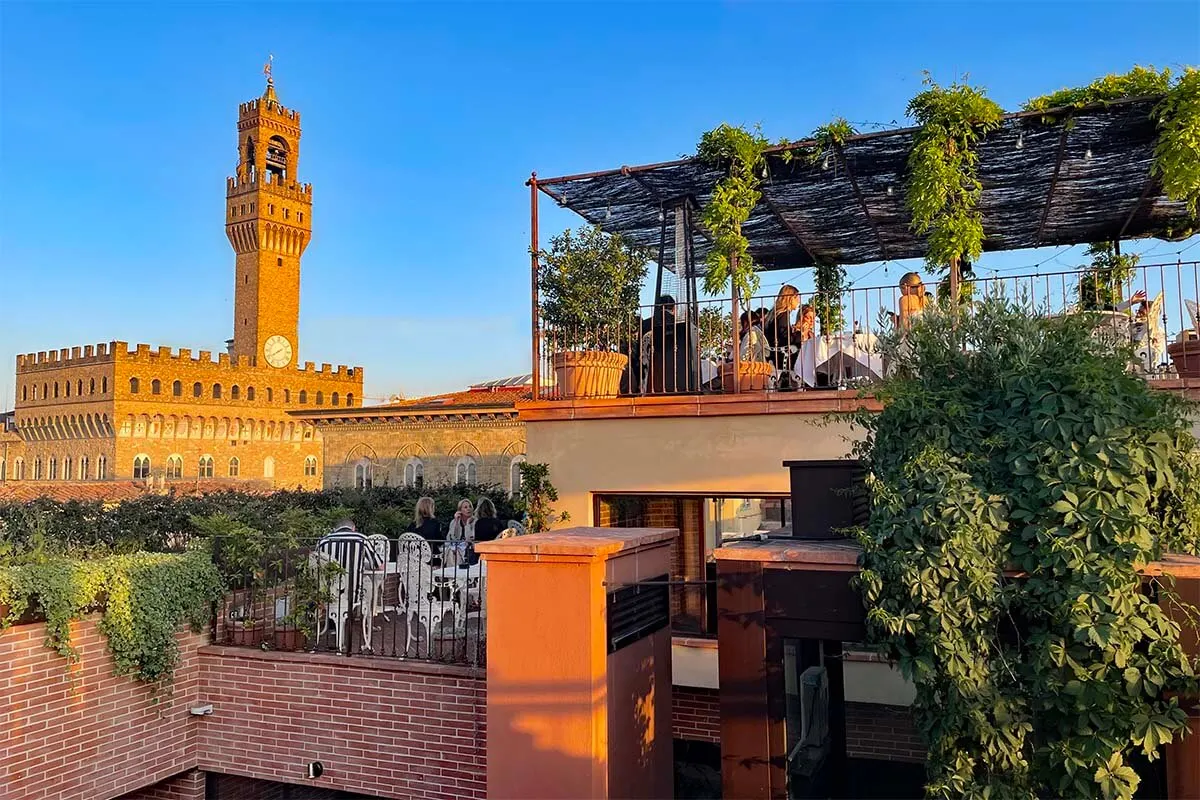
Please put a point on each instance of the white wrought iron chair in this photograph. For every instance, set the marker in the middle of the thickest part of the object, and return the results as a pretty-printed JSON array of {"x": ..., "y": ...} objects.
[
  {"x": 413, "y": 557},
  {"x": 348, "y": 589}
]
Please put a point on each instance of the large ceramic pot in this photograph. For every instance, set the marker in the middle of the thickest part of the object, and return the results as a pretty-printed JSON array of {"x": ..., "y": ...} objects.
[
  {"x": 1185, "y": 356},
  {"x": 247, "y": 635},
  {"x": 588, "y": 373},
  {"x": 290, "y": 639},
  {"x": 754, "y": 376}
]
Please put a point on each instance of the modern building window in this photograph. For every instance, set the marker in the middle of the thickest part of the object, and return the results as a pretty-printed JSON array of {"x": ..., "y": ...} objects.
[
  {"x": 234, "y": 467},
  {"x": 141, "y": 467},
  {"x": 19, "y": 469},
  {"x": 216, "y": 391},
  {"x": 53, "y": 468},
  {"x": 250, "y": 393},
  {"x": 206, "y": 467},
  {"x": 83, "y": 468},
  {"x": 156, "y": 386},
  {"x": 175, "y": 467},
  {"x": 465, "y": 471},
  {"x": 363, "y": 475},
  {"x": 310, "y": 466},
  {"x": 177, "y": 389},
  {"x": 235, "y": 392},
  {"x": 414, "y": 473},
  {"x": 66, "y": 468},
  {"x": 134, "y": 385},
  {"x": 197, "y": 390},
  {"x": 514, "y": 474}
]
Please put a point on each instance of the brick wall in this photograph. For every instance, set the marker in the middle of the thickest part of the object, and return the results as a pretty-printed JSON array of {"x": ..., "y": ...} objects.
[
  {"x": 882, "y": 732},
  {"x": 70, "y": 731},
  {"x": 379, "y": 726},
  {"x": 696, "y": 714},
  {"x": 188, "y": 786}
]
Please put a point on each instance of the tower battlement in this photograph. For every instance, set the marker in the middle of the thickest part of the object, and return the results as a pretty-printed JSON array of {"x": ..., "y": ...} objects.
[
  {"x": 108, "y": 352},
  {"x": 66, "y": 357},
  {"x": 235, "y": 187},
  {"x": 257, "y": 108}
]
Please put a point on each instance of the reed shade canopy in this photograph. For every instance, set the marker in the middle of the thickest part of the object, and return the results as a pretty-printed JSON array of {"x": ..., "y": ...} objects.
[{"x": 1049, "y": 178}]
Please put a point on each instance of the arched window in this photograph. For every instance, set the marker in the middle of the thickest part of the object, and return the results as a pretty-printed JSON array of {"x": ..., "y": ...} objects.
[
  {"x": 175, "y": 467},
  {"x": 177, "y": 389},
  {"x": 334, "y": 398},
  {"x": 92, "y": 386},
  {"x": 156, "y": 386},
  {"x": 101, "y": 468},
  {"x": 414, "y": 473},
  {"x": 250, "y": 393},
  {"x": 53, "y": 468},
  {"x": 79, "y": 388},
  {"x": 37, "y": 469},
  {"x": 206, "y": 467},
  {"x": 19, "y": 469},
  {"x": 56, "y": 389},
  {"x": 350, "y": 399},
  {"x": 303, "y": 396},
  {"x": 464, "y": 470},
  {"x": 310, "y": 466},
  {"x": 235, "y": 392},
  {"x": 66, "y": 468},
  {"x": 134, "y": 385},
  {"x": 67, "y": 388},
  {"x": 216, "y": 391},
  {"x": 287, "y": 395},
  {"x": 25, "y": 393},
  {"x": 270, "y": 394},
  {"x": 45, "y": 391},
  {"x": 141, "y": 467},
  {"x": 269, "y": 467},
  {"x": 104, "y": 385},
  {"x": 514, "y": 474},
  {"x": 83, "y": 468},
  {"x": 234, "y": 467},
  {"x": 320, "y": 398},
  {"x": 364, "y": 476}
]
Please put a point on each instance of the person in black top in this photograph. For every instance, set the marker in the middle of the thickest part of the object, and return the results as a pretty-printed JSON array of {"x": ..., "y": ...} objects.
[
  {"x": 672, "y": 351},
  {"x": 487, "y": 526},
  {"x": 425, "y": 524}
]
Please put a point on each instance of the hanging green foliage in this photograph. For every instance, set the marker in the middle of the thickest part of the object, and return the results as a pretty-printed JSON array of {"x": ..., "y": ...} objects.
[
  {"x": 740, "y": 153},
  {"x": 1177, "y": 154},
  {"x": 943, "y": 185},
  {"x": 1019, "y": 476},
  {"x": 1100, "y": 285},
  {"x": 536, "y": 498},
  {"x": 830, "y": 284},
  {"x": 144, "y": 598}
]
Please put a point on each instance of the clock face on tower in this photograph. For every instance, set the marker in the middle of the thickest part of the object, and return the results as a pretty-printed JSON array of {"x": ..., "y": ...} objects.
[{"x": 278, "y": 351}]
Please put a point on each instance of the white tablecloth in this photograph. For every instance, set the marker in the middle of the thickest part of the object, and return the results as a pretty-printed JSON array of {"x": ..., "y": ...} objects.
[{"x": 853, "y": 353}]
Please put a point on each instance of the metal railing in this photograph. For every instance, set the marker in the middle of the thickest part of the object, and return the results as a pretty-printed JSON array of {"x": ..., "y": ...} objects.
[
  {"x": 808, "y": 343},
  {"x": 419, "y": 602}
]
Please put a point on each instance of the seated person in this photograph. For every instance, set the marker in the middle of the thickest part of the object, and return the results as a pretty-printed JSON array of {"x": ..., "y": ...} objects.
[{"x": 913, "y": 299}]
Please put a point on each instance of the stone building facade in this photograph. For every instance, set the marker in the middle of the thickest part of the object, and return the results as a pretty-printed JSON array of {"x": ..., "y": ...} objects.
[
  {"x": 115, "y": 412},
  {"x": 463, "y": 437}
]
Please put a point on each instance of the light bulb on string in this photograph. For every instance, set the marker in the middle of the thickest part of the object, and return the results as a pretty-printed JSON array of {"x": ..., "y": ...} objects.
[
  {"x": 825, "y": 163},
  {"x": 1088, "y": 154},
  {"x": 661, "y": 215},
  {"x": 1021, "y": 140},
  {"x": 764, "y": 170},
  {"x": 608, "y": 212},
  {"x": 889, "y": 190}
]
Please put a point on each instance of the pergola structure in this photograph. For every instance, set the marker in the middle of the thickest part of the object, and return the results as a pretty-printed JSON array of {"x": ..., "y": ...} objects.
[{"x": 1060, "y": 177}]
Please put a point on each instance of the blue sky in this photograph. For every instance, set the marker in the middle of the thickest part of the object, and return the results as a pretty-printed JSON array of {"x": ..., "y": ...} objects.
[{"x": 421, "y": 123}]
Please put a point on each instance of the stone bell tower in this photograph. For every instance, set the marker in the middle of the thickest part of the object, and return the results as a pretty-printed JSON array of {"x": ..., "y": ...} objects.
[{"x": 269, "y": 223}]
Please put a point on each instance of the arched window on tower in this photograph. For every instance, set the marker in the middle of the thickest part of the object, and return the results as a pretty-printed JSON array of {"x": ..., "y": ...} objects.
[
  {"x": 277, "y": 159},
  {"x": 334, "y": 398},
  {"x": 216, "y": 391},
  {"x": 134, "y": 385},
  {"x": 197, "y": 390},
  {"x": 250, "y": 393},
  {"x": 177, "y": 389},
  {"x": 235, "y": 392},
  {"x": 303, "y": 397},
  {"x": 156, "y": 386},
  {"x": 320, "y": 398},
  {"x": 79, "y": 388},
  {"x": 350, "y": 399},
  {"x": 104, "y": 385}
]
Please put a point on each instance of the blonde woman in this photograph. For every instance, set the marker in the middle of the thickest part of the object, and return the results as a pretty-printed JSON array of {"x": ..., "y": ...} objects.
[
  {"x": 460, "y": 535},
  {"x": 425, "y": 524},
  {"x": 783, "y": 337}
]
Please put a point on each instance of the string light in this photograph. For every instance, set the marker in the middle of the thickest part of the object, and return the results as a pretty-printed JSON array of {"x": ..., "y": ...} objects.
[
  {"x": 661, "y": 215},
  {"x": 608, "y": 212},
  {"x": 1021, "y": 140},
  {"x": 1088, "y": 154},
  {"x": 889, "y": 190},
  {"x": 825, "y": 163}
]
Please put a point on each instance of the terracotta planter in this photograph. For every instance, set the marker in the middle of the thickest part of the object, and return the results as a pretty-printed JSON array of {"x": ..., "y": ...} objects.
[
  {"x": 247, "y": 636},
  {"x": 1185, "y": 357},
  {"x": 290, "y": 639},
  {"x": 753, "y": 376},
  {"x": 588, "y": 373}
]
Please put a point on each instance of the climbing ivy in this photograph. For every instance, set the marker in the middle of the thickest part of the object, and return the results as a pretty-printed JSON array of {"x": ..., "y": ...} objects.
[
  {"x": 1019, "y": 476},
  {"x": 536, "y": 498},
  {"x": 1138, "y": 82},
  {"x": 144, "y": 598},
  {"x": 1100, "y": 284},
  {"x": 943, "y": 185},
  {"x": 740, "y": 153}
]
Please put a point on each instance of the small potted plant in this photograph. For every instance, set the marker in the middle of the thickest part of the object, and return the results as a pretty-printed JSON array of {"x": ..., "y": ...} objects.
[
  {"x": 239, "y": 552},
  {"x": 589, "y": 282},
  {"x": 308, "y": 593}
]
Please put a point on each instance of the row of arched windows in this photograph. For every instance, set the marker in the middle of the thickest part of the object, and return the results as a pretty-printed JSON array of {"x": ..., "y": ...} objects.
[
  {"x": 72, "y": 426},
  {"x": 217, "y": 392},
  {"x": 55, "y": 468},
  {"x": 236, "y": 428},
  {"x": 206, "y": 467},
  {"x": 466, "y": 471},
  {"x": 52, "y": 391}
]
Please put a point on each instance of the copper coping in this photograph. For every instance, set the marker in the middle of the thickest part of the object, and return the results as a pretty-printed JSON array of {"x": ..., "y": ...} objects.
[
  {"x": 577, "y": 542},
  {"x": 814, "y": 401}
]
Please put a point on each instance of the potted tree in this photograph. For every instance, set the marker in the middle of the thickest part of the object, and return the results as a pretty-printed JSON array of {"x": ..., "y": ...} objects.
[
  {"x": 309, "y": 591},
  {"x": 239, "y": 552},
  {"x": 740, "y": 153},
  {"x": 589, "y": 283}
]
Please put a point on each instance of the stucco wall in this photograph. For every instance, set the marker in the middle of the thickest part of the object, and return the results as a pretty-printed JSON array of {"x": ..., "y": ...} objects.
[{"x": 731, "y": 454}]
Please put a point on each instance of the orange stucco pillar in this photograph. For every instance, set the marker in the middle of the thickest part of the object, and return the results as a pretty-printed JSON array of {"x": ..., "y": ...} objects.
[
  {"x": 569, "y": 714},
  {"x": 1183, "y": 755}
]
